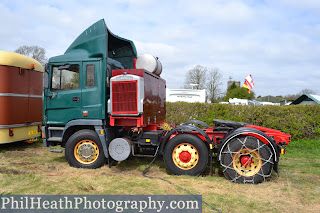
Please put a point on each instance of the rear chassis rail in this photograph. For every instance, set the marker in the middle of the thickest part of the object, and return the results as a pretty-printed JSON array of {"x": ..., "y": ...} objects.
[{"x": 218, "y": 136}]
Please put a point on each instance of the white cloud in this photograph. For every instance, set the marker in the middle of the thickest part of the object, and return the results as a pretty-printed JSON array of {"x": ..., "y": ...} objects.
[
  {"x": 225, "y": 11},
  {"x": 298, "y": 4},
  {"x": 275, "y": 41}
]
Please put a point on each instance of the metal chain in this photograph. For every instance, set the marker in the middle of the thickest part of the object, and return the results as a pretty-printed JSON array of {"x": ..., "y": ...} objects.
[{"x": 265, "y": 161}]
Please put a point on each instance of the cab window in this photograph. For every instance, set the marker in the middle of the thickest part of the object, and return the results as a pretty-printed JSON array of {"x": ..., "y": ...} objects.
[
  {"x": 90, "y": 76},
  {"x": 65, "y": 77}
]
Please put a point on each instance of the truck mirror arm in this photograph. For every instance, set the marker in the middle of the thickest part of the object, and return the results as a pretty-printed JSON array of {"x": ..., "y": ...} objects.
[{"x": 49, "y": 94}]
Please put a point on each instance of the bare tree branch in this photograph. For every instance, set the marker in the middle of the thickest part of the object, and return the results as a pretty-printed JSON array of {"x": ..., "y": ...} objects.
[
  {"x": 196, "y": 75},
  {"x": 307, "y": 91},
  {"x": 35, "y": 52},
  {"x": 213, "y": 84}
]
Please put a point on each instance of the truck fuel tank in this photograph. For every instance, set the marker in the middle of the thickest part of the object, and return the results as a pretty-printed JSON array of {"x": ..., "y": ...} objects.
[
  {"x": 149, "y": 63},
  {"x": 120, "y": 148}
]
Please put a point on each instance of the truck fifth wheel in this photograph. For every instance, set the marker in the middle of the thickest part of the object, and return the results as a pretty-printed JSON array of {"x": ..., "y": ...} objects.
[{"x": 103, "y": 103}]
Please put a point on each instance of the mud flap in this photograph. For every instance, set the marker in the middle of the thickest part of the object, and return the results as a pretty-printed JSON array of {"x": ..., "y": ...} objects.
[
  {"x": 211, "y": 163},
  {"x": 112, "y": 162},
  {"x": 276, "y": 168}
]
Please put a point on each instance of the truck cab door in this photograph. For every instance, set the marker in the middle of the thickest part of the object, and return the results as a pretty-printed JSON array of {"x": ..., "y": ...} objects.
[
  {"x": 64, "y": 94},
  {"x": 92, "y": 104}
]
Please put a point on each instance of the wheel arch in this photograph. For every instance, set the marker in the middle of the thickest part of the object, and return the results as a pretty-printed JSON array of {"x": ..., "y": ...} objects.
[
  {"x": 250, "y": 132},
  {"x": 185, "y": 128},
  {"x": 198, "y": 122},
  {"x": 68, "y": 131},
  {"x": 94, "y": 125}
]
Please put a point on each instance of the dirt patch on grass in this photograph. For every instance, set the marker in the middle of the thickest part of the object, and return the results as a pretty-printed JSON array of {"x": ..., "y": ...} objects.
[
  {"x": 18, "y": 154},
  {"x": 11, "y": 171}
]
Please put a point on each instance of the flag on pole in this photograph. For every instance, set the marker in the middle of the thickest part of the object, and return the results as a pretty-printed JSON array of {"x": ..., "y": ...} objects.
[{"x": 248, "y": 83}]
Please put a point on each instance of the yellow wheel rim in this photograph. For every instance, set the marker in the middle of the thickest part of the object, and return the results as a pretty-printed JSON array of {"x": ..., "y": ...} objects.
[
  {"x": 86, "y": 151},
  {"x": 247, "y": 162},
  {"x": 185, "y": 156}
]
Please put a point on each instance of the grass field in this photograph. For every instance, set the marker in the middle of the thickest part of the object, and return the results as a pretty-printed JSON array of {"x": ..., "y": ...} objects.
[{"x": 32, "y": 169}]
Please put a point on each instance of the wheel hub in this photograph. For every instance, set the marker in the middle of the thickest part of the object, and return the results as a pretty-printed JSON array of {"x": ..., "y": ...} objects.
[
  {"x": 247, "y": 162},
  {"x": 185, "y": 156},
  {"x": 86, "y": 151}
]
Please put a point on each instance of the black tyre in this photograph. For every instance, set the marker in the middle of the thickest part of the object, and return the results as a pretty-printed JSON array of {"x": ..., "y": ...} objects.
[
  {"x": 84, "y": 150},
  {"x": 186, "y": 154},
  {"x": 246, "y": 159}
]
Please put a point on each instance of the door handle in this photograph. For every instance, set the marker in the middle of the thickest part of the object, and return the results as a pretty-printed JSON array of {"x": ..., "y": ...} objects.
[{"x": 75, "y": 99}]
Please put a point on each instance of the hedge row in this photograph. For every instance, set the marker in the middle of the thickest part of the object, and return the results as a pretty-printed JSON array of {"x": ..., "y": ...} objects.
[{"x": 301, "y": 121}]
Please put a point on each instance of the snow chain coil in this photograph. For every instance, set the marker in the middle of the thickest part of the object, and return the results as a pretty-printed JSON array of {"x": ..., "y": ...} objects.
[{"x": 247, "y": 160}]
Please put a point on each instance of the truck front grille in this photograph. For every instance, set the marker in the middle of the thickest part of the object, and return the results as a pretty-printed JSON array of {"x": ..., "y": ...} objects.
[{"x": 124, "y": 97}]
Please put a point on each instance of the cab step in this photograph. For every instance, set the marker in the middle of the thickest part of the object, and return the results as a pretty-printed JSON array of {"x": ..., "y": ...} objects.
[{"x": 56, "y": 139}]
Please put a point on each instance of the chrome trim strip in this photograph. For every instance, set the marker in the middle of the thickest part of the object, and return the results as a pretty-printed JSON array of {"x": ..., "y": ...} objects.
[
  {"x": 13, "y": 95},
  {"x": 19, "y": 95},
  {"x": 35, "y": 96},
  {"x": 19, "y": 125}
]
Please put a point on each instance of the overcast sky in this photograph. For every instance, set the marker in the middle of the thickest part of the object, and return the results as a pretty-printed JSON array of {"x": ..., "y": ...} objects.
[{"x": 276, "y": 41}]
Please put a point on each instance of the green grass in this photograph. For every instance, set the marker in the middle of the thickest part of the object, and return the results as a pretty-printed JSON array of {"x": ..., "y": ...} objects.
[
  {"x": 309, "y": 149},
  {"x": 49, "y": 173},
  {"x": 301, "y": 164}
]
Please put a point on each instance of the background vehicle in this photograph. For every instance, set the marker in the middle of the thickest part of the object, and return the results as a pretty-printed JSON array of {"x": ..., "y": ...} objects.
[
  {"x": 186, "y": 95},
  {"x": 20, "y": 97},
  {"x": 103, "y": 103}
]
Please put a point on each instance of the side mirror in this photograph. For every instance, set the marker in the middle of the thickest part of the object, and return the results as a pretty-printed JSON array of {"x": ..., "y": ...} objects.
[
  {"x": 45, "y": 80},
  {"x": 46, "y": 68}
]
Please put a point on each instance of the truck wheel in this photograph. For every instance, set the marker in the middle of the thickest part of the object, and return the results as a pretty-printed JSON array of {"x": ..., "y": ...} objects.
[
  {"x": 186, "y": 154},
  {"x": 84, "y": 150},
  {"x": 246, "y": 159}
]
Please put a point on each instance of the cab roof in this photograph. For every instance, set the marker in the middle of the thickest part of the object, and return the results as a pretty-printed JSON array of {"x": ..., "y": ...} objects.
[{"x": 99, "y": 42}]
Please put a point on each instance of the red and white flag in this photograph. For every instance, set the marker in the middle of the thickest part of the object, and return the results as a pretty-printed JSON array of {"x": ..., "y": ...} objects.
[{"x": 248, "y": 83}]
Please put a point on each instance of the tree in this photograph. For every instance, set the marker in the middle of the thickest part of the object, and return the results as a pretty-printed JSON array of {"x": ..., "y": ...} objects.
[
  {"x": 201, "y": 77},
  {"x": 213, "y": 83},
  {"x": 232, "y": 86},
  {"x": 35, "y": 52},
  {"x": 238, "y": 92},
  {"x": 295, "y": 96},
  {"x": 307, "y": 91},
  {"x": 196, "y": 76}
]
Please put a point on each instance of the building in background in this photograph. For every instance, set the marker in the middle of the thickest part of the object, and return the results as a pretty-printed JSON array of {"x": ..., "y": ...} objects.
[
  {"x": 307, "y": 99},
  {"x": 186, "y": 95},
  {"x": 237, "y": 83},
  {"x": 238, "y": 101},
  {"x": 272, "y": 99}
]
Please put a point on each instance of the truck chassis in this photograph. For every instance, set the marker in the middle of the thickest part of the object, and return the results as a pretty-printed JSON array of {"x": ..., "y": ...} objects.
[{"x": 247, "y": 153}]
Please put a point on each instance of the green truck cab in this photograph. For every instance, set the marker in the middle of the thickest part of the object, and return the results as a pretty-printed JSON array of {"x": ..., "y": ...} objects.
[{"x": 77, "y": 84}]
